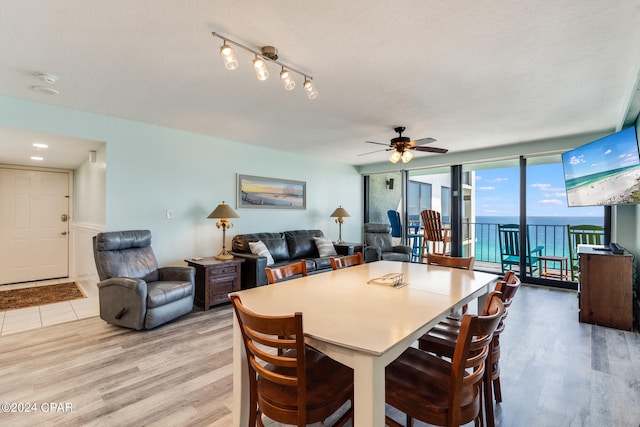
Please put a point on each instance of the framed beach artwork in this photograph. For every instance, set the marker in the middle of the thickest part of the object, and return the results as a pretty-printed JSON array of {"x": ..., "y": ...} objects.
[{"x": 271, "y": 193}]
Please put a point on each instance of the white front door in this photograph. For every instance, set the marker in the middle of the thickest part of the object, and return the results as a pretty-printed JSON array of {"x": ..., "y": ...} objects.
[{"x": 34, "y": 225}]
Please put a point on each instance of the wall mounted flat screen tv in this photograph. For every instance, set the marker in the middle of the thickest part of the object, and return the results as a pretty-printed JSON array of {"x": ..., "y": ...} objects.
[{"x": 605, "y": 172}]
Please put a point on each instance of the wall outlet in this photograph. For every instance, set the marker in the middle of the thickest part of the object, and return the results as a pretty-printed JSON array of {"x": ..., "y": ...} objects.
[{"x": 169, "y": 213}]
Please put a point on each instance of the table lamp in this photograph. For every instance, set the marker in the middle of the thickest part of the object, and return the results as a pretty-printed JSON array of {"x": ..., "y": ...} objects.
[
  {"x": 339, "y": 213},
  {"x": 223, "y": 211}
]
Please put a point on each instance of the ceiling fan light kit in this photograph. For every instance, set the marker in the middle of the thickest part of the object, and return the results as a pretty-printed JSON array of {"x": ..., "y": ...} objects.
[
  {"x": 402, "y": 146},
  {"x": 266, "y": 53}
]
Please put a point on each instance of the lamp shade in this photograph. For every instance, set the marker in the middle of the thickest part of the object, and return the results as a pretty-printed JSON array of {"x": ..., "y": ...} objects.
[
  {"x": 340, "y": 212},
  {"x": 223, "y": 211}
]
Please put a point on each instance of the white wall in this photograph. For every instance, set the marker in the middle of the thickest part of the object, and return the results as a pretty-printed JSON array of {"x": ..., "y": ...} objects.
[{"x": 150, "y": 169}]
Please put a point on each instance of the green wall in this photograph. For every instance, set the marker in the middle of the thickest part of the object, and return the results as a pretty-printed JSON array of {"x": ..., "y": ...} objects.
[{"x": 149, "y": 169}]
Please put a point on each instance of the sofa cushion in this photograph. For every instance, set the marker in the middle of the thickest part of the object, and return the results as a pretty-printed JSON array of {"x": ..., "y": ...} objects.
[
  {"x": 301, "y": 243},
  {"x": 275, "y": 243},
  {"x": 259, "y": 248},
  {"x": 325, "y": 247}
]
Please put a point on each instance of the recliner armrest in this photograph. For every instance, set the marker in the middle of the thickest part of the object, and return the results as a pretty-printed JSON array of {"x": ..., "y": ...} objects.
[
  {"x": 402, "y": 249},
  {"x": 136, "y": 285},
  {"x": 177, "y": 273},
  {"x": 372, "y": 253}
]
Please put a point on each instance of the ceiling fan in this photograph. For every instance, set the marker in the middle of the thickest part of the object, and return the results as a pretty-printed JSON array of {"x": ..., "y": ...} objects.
[{"x": 402, "y": 146}]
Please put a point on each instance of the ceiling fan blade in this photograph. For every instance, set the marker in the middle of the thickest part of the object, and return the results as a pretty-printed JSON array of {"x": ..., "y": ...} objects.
[
  {"x": 431, "y": 149},
  {"x": 423, "y": 141},
  {"x": 371, "y": 152},
  {"x": 379, "y": 143}
]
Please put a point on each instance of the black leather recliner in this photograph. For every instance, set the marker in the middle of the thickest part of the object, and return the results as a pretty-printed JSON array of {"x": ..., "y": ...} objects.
[
  {"x": 133, "y": 291},
  {"x": 379, "y": 244}
]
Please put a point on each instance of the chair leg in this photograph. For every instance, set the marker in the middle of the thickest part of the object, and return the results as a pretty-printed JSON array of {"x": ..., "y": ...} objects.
[
  {"x": 488, "y": 398},
  {"x": 497, "y": 390}
]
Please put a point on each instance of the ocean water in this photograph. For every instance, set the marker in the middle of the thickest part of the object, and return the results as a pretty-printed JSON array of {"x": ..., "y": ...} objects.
[
  {"x": 595, "y": 177},
  {"x": 549, "y": 232}
]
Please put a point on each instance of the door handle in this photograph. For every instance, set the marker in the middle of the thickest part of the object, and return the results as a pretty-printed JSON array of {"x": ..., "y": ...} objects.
[
  {"x": 64, "y": 217},
  {"x": 64, "y": 233}
]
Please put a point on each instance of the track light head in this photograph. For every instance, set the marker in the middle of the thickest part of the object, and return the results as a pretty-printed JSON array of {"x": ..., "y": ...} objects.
[
  {"x": 228, "y": 56},
  {"x": 261, "y": 69},
  {"x": 287, "y": 81}
]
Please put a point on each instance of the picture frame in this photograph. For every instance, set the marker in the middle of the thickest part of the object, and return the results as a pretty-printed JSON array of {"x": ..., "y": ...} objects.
[{"x": 257, "y": 192}]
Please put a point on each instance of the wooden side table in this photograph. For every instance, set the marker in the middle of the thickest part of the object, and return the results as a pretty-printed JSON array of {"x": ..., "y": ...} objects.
[
  {"x": 215, "y": 279},
  {"x": 564, "y": 266}
]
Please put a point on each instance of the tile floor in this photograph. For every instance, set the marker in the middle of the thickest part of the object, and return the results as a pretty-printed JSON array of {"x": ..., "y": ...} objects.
[{"x": 23, "y": 319}]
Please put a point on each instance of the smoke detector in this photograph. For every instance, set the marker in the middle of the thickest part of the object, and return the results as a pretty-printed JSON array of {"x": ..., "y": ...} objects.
[{"x": 47, "y": 78}]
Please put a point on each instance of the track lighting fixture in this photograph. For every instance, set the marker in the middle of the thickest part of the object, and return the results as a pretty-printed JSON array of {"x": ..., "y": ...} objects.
[
  {"x": 266, "y": 54},
  {"x": 228, "y": 56}
]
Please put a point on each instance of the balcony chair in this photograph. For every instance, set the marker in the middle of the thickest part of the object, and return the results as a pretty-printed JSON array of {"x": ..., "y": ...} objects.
[
  {"x": 581, "y": 235},
  {"x": 300, "y": 385},
  {"x": 434, "y": 233},
  {"x": 441, "y": 392},
  {"x": 441, "y": 341},
  {"x": 379, "y": 245},
  {"x": 133, "y": 291},
  {"x": 509, "y": 239},
  {"x": 346, "y": 261},
  {"x": 396, "y": 224},
  {"x": 286, "y": 272}
]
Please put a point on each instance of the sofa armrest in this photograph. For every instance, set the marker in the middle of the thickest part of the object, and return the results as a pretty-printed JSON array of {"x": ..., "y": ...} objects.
[
  {"x": 372, "y": 253},
  {"x": 177, "y": 273},
  {"x": 253, "y": 274}
]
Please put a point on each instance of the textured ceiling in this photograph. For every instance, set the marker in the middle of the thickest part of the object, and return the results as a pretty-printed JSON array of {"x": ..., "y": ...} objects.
[{"x": 470, "y": 74}]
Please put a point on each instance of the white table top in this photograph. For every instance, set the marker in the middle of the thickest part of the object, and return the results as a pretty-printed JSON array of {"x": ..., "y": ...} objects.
[
  {"x": 364, "y": 326},
  {"x": 339, "y": 307}
]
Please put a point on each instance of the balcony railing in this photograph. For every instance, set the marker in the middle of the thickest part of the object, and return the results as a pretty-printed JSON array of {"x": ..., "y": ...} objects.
[{"x": 482, "y": 241}]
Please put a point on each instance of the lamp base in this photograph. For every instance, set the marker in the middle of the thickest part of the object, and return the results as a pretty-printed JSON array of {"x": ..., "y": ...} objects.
[
  {"x": 224, "y": 256},
  {"x": 341, "y": 242}
]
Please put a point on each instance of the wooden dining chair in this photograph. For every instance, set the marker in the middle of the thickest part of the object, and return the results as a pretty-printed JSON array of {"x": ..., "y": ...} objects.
[
  {"x": 434, "y": 233},
  {"x": 290, "y": 382},
  {"x": 278, "y": 274},
  {"x": 465, "y": 263},
  {"x": 346, "y": 261},
  {"x": 450, "y": 261},
  {"x": 442, "y": 338},
  {"x": 441, "y": 392}
]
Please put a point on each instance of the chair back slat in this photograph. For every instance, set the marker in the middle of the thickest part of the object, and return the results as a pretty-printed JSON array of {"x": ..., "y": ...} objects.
[
  {"x": 582, "y": 235},
  {"x": 472, "y": 347},
  {"x": 432, "y": 222},
  {"x": 450, "y": 261},
  {"x": 346, "y": 261},
  {"x": 277, "y": 274}
]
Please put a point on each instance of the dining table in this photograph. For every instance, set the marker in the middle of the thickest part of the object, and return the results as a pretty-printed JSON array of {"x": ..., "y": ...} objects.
[{"x": 359, "y": 317}]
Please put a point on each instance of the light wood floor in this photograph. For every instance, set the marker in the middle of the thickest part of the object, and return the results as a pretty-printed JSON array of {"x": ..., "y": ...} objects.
[{"x": 555, "y": 371}]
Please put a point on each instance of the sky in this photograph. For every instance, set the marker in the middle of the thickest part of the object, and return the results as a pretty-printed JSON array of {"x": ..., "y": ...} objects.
[
  {"x": 497, "y": 192},
  {"x": 612, "y": 152}
]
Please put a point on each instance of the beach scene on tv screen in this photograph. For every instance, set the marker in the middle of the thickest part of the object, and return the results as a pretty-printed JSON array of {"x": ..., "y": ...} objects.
[{"x": 604, "y": 172}]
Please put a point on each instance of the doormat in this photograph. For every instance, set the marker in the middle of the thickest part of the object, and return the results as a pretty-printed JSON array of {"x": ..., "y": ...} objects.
[{"x": 39, "y": 295}]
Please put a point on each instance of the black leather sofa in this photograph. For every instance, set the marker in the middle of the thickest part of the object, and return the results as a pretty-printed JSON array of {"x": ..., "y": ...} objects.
[{"x": 285, "y": 248}]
